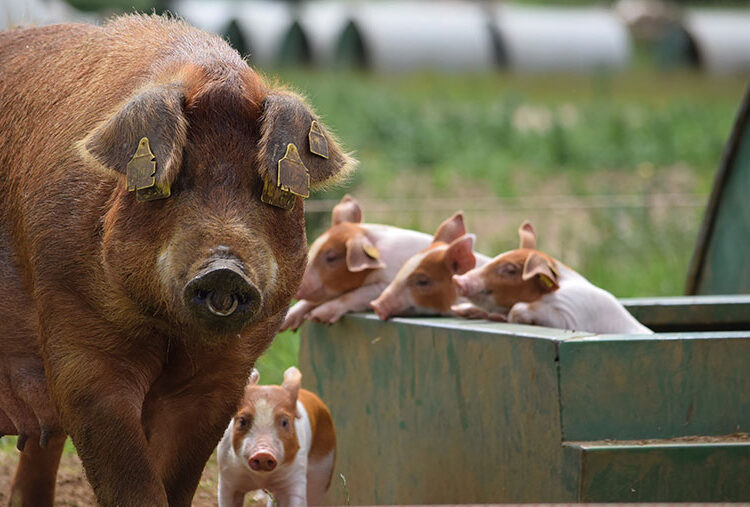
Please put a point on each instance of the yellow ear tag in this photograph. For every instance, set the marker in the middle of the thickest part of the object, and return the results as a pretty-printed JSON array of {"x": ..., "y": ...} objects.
[
  {"x": 292, "y": 179},
  {"x": 318, "y": 141},
  {"x": 371, "y": 251},
  {"x": 141, "y": 174},
  {"x": 546, "y": 280}
]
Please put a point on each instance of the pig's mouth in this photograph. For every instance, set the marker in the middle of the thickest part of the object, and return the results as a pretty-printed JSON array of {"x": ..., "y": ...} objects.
[{"x": 221, "y": 296}]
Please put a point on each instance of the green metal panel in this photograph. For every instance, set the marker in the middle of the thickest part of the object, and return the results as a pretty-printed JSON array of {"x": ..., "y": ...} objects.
[
  {"x": 721, "y": 261},
  {"x": 662, "y": 472},
  {"x": 437, "y": 410},
  {"x": 660, "y": 386},
  {"x": 691, "y": 312},
  {"x": 440, "y": 410}
]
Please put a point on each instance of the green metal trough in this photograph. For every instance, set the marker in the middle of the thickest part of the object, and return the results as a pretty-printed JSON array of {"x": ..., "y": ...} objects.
[
  {"x": 439, "y": 410},
  {"x": 435, "y": 410}
]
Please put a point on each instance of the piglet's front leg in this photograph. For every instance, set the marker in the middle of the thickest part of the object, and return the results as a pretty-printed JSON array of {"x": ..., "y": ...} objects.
[
  {"x": 469, "y": 311},
  {"x": 296, "y": 315},
  {"x": 357, "y": 300}
]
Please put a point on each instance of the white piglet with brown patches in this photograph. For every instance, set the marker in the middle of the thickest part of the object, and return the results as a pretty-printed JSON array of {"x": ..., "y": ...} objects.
[
  {"x": 527, "y": 286},
  {"x": 350, "y": 264},
  {"x": 423, "y": 285},
  {"x": 281, "y": 440}
]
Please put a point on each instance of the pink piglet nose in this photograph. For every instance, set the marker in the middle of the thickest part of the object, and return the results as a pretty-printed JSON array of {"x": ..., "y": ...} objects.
[
  {"x": 380, "y": 309},
  {"x": 262, "y": 462}
]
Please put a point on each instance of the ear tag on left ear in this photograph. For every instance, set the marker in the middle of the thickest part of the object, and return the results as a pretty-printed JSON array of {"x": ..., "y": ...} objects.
[
  {"x": 318, "y": 142},
  {"x": 371, "y": 251},
  {"x": 141, "y": 174},
  {"x": 292, "y": 179}
]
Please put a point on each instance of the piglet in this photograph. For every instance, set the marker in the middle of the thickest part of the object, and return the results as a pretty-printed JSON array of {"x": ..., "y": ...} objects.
[
  {"x": 350, "y": 265},
  {"x": 533, "y": 288},
  {"x": 423, "y": 285},
  {"x": 281, "y": 440}
]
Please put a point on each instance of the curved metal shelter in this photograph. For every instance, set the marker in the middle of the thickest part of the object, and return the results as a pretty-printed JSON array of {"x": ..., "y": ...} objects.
[
  {"x": 561, "y": 38},
  {"x": 209, "y": 15},
  {"x": 403, "y": 36},
  {"x": 323, "y": 23},
  {"x": 271, "y": 33},
  {"x": 722, "y": 38},
  {"x": 15, "y": 13}
]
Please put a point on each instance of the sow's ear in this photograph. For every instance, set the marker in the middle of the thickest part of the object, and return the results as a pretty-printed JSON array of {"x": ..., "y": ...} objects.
[
  {"x": 155, "y": 113},
  {"x": 290, "y": 131}
]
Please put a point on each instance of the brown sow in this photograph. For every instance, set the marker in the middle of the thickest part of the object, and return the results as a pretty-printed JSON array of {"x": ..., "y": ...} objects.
[{"x": 152, "y": 236}]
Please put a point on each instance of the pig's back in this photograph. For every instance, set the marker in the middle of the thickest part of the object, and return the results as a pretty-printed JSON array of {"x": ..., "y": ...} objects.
[{"x": 322, "y": 455}]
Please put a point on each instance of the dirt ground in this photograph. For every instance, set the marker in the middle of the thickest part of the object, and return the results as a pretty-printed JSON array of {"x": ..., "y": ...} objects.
[{"x": 74, "y": 491}]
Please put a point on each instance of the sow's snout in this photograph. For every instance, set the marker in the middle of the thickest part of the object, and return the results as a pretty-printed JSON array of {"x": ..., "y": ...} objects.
[{"x": 221, "y": 296}]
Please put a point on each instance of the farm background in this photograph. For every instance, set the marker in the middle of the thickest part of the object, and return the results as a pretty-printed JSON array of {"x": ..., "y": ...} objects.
[{"x": 613, "y": 168}]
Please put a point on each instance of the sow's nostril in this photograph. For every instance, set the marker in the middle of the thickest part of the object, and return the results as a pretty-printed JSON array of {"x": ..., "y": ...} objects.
[
  {"x": 262, "y": 462},
  {"x": 222, "y": 292}
]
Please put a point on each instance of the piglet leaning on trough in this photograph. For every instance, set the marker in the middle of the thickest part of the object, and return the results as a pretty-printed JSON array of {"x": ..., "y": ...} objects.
[
  {"x": 533, "y": 288},
  {"x": 350, "y": 264},
  {"x": 423, "y": 285},
  {"x": 281, "y": 440},
  {"x": 152, "y": 237}
]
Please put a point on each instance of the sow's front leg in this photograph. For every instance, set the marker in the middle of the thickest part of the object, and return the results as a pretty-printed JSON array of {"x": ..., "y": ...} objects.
[
  {"x": 98, "y": 382},
  {"x": 34, "y": 482},
  {"x": 191, "y": 403}
]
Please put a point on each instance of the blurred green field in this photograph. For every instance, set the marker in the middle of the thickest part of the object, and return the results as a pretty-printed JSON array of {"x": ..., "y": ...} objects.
[{"x": 613, "y": 169}]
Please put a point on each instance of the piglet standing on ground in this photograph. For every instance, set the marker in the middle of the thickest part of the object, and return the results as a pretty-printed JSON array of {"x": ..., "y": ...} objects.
[
  {"x": 423, "y": 285},
  {"x": 533, "y": 288},
  {"x": 350, "y": 265},
  {"x": 280, "y": 440}
]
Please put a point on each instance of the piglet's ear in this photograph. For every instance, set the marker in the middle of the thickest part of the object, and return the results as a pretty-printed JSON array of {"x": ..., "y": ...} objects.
[
  {"x": 361, "y": 254},
  {"x": 528, "y": 235},
  {"x": 451, "y": 229},
  {"x": 150, "y": 125},
  {"x": 297, "y": 153},
  {"x": 460, "y": 256},
  {"x": 292, "y": 381},
  {"x": 348, "y": 210},
  {"x": 538, "y": 266},
  {"x": 254, "y": 377}
]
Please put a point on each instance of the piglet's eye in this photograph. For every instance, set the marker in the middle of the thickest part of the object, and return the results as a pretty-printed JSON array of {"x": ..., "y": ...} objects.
[
  {"x": 242, "y": 422},
  {"x": 285, "y": 423},
  {"x": 508, "y": 269},
  {"x": 331, "y": 256}
]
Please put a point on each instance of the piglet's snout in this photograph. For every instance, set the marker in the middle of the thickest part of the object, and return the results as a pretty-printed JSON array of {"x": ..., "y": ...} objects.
[
  {"x": 381, "y": 308},
  {"x": 462, "y": 284},
  {"x": 221, "y": 294},
  {"x": 262, "y": 462}
]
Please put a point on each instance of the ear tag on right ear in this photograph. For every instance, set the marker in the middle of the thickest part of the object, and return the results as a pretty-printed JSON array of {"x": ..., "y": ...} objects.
[
  {"x": 318, "y": 142},
  {"x": 141, "y": 174}
]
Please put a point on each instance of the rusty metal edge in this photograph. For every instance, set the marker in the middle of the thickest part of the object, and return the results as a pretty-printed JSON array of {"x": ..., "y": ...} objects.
[{"x": 695, "y": 270}]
